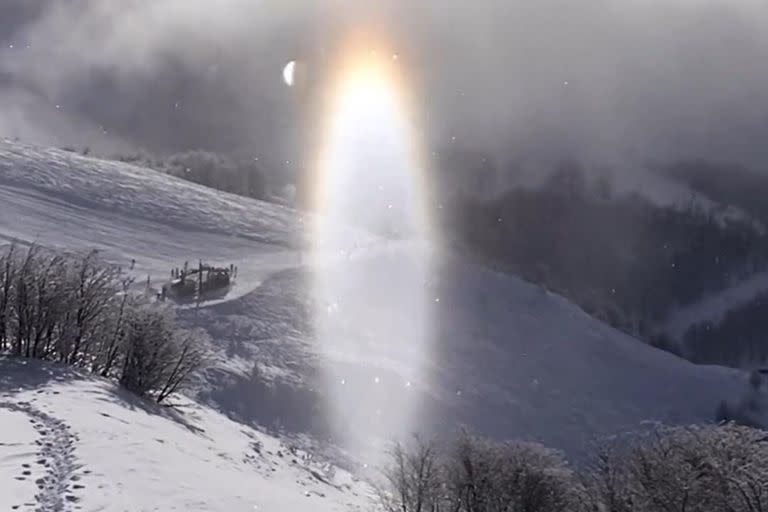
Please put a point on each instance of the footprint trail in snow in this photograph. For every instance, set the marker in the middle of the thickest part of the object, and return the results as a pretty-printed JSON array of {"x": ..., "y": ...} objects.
[{"x": 59, "y": 484}]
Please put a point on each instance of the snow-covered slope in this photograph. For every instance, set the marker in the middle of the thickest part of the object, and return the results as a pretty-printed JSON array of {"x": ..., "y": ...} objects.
[
  {"x": 503, "y": 356},
  {"x": 71, "y": 442},
  {"x": 507, "y": 359},
  {"x": 127, "y": 192},
  {"x": 61, "y": 199}
]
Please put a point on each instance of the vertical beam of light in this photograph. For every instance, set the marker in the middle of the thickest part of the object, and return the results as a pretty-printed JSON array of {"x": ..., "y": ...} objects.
[{"x": 371, "y": 252}]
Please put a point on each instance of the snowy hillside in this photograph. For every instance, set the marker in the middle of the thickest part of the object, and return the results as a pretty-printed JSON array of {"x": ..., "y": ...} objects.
[
  {"x": 67, "y": 179},
  {"x": 63, "y": 200},
  {"x": 71, "y": 442},
  {"x": 508, "y": 359},
  {"x": 503, "y": 356}
]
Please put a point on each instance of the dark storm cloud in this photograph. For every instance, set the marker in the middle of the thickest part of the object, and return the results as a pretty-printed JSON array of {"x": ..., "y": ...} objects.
[{"x": 603, "y": 80}]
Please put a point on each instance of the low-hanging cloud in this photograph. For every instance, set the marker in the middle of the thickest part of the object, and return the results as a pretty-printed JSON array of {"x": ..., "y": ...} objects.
[{"x": 604, "y": 80}]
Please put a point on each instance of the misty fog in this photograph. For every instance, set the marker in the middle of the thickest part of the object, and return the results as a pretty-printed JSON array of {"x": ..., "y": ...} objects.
[{"x": 614, "y": 82}]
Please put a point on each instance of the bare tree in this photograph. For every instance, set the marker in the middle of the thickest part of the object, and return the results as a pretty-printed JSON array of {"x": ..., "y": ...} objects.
[
  {"x": 414, "y": 482},
  {"x": 96, "y": 286},
  {"x": 606, "y": 481},
  {"x": 49, "y": 306},
  {"x": 189, "y": 356},
  {"x": 147, "y": 344},
  {"x": 113, "y": 344},
  {"x": 23, "y": 300},
  {"x": 7, "y": 270},
  {"x": 158, "y": 360}
]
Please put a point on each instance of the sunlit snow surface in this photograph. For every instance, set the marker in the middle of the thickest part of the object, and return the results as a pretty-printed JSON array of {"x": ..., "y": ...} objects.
[
  {"x": 94, "y": 447},
  {"x": 508, "y": 358},
  {"x": 17, "y": 445}
]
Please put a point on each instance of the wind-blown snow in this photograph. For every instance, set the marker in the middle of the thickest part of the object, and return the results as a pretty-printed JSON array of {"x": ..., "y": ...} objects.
[
  {"x": 713, "y": 308},
  {"x": 506, "y": 357}
]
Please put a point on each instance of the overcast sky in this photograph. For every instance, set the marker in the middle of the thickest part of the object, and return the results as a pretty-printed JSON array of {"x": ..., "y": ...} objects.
[{"x": 603, "y": 80}]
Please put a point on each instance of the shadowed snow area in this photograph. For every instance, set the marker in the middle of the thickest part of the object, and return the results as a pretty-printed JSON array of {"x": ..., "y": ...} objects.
[{"x": 504, "y": 357}]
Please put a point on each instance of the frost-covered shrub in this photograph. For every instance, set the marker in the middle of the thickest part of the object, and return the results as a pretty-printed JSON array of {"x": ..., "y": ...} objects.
[
  {"x": 473, "y": 474},
  {"x": 78, "y": 310},
  {"x": 707, "y": 468},
  {"x": 514, "y": 475},
  {"x": 54, "y": 306},
  {"x": 694, "y": 469},
  {"x": 158, "y": 359}
]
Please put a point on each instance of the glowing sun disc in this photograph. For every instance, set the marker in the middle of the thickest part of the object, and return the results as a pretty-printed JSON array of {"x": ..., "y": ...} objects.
[{"x": 372, "y": 310}]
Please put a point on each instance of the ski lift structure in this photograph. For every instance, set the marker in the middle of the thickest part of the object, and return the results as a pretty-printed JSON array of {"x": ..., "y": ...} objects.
[{"x": 204, "y": 282}]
